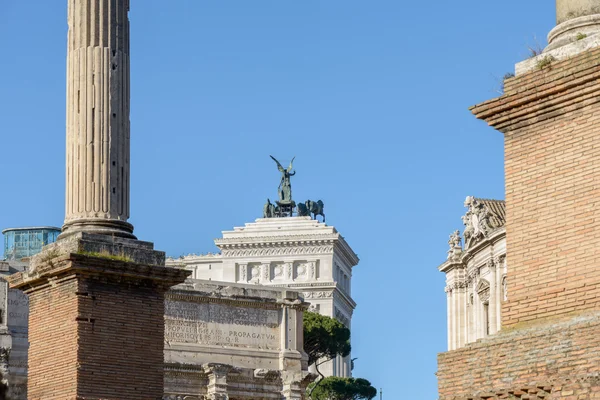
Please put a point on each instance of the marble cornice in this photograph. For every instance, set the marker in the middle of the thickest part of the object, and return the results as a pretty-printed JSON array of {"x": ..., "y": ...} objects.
[
  {"x": 279, "y": 239},
  {"x": 345, "y": 296},
  {"x": 287, "y": 245},
  {"x": 329, "y": 289},
  {"x": 184, "y": 295},
  {"x": 491, "y": 240}
]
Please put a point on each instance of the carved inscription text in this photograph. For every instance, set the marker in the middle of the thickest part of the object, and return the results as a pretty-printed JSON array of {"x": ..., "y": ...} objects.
[{"x": 221, "y": 325}]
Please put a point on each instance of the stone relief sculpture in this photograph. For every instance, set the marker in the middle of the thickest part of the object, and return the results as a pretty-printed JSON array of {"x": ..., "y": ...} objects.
[{"x": 478, "y": 220}]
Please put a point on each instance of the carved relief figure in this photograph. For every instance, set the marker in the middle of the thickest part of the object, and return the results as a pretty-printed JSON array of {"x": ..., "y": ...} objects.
[{"x": 478, "y": 220}]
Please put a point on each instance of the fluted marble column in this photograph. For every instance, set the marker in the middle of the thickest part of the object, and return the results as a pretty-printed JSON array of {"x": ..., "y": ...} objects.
[{"x": 97, "y": 187}]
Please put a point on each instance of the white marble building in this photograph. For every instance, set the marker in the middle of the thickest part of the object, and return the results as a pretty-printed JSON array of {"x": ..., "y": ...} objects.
[
  {"x": 476, "y": 274},
  {"x": 14, "y": 313},
  {"x": 295, "y": 252}
]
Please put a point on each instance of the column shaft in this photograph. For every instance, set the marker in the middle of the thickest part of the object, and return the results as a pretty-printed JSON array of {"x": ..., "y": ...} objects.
[{"x": 97, "y": 175}]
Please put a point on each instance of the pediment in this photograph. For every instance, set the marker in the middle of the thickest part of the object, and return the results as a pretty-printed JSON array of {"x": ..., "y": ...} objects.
[{"x": 482, "y": 286}]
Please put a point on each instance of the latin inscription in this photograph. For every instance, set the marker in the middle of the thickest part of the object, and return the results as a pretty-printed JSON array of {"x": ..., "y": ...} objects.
[
  {"x": 221, "y": 325},
  {"x": 18, "y": 308}
]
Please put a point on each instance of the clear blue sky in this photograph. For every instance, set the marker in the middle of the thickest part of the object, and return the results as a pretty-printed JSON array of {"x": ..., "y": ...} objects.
[{"x": 370, "y": 96}]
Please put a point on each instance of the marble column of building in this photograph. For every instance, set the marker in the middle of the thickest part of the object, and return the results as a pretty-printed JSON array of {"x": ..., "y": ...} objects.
[
  {"x": 576, "y": 20},
  {"x": 98, "y": 132},
  {"x": 96, "y": 309}
]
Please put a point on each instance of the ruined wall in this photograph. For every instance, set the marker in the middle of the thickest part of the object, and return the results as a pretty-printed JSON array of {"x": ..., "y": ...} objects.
[
  {"x": 551, "y": 360},
  {"x": 548, "y": 346},
  {"x": 116, "y": 346},
  {"x": 552, "y": 171},
  {"x": 50, "y": 336}
]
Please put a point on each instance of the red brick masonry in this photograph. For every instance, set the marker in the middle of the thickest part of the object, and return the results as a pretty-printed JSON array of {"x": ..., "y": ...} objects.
[
  {"x": 550, "y": 343},
  {"x": 96, "y": 327},
  {"x": 549, "y": 361}
]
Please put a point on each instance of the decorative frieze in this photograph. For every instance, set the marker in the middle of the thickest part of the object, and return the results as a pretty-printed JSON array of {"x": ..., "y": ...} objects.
[{"x": 278, "y": 251}]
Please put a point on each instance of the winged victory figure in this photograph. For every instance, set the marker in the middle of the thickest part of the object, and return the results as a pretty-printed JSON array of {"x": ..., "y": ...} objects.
[{"x": 285, "y": 186}]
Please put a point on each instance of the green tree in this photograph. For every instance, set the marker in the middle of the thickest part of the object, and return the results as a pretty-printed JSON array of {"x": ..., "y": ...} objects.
[
  {"x": 324, "y": 338},
  {"x": 335, "y": 388}
]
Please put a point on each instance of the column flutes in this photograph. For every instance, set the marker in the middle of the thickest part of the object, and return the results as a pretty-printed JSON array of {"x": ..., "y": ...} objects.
[{"x": 97, "y": 175}]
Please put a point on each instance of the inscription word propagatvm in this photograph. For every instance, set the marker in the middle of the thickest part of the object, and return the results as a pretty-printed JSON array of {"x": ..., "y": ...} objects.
[{"x": 221, "y": 325}]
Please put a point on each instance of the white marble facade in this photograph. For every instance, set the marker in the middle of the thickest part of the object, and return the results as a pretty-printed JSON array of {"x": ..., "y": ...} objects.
[
  {"x": 476, "y": 274},
  {"x": 295, "y": 252},
  {"x": 14, "y": 314}
]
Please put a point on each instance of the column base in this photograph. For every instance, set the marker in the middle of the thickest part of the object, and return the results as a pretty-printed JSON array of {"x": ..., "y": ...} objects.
[
  {"x": 573, "y": 30},
  {"x": 98, "y": 226}
]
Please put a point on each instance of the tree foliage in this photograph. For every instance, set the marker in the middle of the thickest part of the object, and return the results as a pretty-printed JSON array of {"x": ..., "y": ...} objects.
[
  {"x": 336, "y": 388},
  {"x": 324, "y": 338}
]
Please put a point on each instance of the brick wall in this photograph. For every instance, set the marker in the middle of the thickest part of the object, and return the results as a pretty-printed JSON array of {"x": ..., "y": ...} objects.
[
  {"x": 553, "y": 361},
  {"x": 553, "y": 209},
  {"x": 551, "y": 121},
  {"x": 549, "y": 346},
  {"x": 51, "y": 336},
  {"x": 122, "y": 342},
  {"x": 106, "y": 335}
]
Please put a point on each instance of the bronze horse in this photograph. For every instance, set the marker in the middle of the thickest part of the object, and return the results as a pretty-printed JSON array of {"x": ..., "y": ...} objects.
[{"x": 316, "y": 208}]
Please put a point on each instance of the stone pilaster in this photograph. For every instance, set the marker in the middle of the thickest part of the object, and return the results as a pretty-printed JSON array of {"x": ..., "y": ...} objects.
[
  {"x": 97, "y": 165},
  {"x": 243, "y": 273},
  {"x": 265, "y": 272},
  {"x": 217, "y": 381}
]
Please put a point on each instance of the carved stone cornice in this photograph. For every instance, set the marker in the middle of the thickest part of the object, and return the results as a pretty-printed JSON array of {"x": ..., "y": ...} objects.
[
  {"x": 256, "y": 246},
  {"x": 275, "y": 250},
  {"x": 176, "y": 295},
  {"x": 324, "y": 287}
]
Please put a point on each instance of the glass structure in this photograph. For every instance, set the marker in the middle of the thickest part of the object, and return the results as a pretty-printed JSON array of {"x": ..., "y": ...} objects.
[{"x": 26, "y": 242}]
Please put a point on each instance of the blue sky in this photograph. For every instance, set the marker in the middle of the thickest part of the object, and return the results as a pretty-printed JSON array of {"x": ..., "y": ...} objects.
[{"x": 371, "y": 97}]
